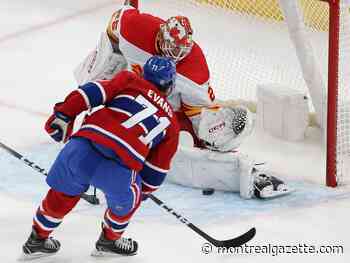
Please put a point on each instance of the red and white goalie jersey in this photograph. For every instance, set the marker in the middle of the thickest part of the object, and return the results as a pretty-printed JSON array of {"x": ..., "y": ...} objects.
[{"x": 131, "y": 35}]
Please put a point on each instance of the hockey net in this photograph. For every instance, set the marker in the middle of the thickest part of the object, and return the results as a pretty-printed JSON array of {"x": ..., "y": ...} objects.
[{"x": 248, "y": 43}]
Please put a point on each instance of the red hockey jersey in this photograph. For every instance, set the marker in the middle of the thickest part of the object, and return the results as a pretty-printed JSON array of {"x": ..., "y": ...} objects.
[{"x": 137, "y": 122}]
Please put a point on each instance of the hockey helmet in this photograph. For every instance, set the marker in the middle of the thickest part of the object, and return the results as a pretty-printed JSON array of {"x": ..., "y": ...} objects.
[
  {"x": 175, "y": 38},
  {"x": 161, "y": 71}
]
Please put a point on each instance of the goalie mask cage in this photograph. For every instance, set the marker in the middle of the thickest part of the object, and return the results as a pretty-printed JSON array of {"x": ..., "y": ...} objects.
[{"x": 304, "y": 44}]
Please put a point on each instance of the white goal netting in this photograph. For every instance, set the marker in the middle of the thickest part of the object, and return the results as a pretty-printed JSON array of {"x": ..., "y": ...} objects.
[{"x": 248, "y": 43}]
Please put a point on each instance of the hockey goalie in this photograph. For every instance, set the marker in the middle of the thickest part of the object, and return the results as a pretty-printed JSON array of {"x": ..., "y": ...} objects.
[{"x": 213, "y": 159}]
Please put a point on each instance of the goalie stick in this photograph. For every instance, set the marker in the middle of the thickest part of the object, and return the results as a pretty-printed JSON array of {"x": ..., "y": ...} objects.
[
  {"x": 234, "y": 242},
  {"x": 92, "y": 199}
]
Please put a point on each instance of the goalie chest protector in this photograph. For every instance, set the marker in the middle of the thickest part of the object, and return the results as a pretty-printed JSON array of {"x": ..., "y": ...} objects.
[{"x": 282, "y": 111}]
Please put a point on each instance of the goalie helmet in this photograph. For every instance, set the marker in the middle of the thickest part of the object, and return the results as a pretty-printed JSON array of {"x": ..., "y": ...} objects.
[{"x": 175, "y": 38}]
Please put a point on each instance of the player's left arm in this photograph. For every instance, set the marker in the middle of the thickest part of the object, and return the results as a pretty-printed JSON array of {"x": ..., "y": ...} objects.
[
  {"x": 92, "y": 94},
  {"x": 158, "y": 163}
]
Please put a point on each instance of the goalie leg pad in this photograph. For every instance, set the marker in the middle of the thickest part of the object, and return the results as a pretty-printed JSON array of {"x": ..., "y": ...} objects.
[
  {"x": 194, "y": 167},
  {"x": 246, "y": 178}
]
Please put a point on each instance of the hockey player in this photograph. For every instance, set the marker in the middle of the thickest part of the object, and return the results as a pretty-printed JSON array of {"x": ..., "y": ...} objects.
[
  {"x": 130, "y": 39},
  {"x": 124, "y": 148}
]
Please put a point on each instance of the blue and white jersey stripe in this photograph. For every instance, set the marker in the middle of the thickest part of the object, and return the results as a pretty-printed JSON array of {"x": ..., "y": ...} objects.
[
  {"x": 47, "y": 223},
  {"x": 93, "y": 94},
  {"x": 125, "y": 103},
  {"x": 156, "y": 168},
  {"x": 135, "y": 189},
  {"x": 152, "y": 176},
  {"x": 116, "y": 226}
]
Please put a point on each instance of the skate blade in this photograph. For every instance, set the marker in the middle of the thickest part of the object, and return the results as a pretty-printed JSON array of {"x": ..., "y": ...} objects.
[
  {"x": 33, "y": 256},
  {"x": 102, "y": 254},
  {"x": 275, "y": 194}
]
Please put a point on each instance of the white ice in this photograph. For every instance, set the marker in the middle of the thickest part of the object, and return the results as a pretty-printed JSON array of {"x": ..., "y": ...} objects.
[{"x": 40, "y": 44}]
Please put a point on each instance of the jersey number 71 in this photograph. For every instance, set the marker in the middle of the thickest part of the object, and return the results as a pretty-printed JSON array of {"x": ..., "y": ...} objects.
[{"x": 148, "y": 111}]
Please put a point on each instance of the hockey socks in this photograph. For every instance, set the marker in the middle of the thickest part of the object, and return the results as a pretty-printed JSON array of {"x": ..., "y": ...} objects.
[{"x": 50, "y": 213}]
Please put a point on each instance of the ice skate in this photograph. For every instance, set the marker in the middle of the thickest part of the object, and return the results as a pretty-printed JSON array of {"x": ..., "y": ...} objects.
[
  {"x": 37, "y": 247},
  {"x": 109, "y": 248}
]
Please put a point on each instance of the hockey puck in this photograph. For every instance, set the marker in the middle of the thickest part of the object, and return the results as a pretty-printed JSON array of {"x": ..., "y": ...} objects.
[{"x": 208, "y": 191}]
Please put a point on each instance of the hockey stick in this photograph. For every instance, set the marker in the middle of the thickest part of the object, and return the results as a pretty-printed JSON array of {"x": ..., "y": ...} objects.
[
  {"x": 92, "y": 199},
  {"x": 234, "y": 242}
]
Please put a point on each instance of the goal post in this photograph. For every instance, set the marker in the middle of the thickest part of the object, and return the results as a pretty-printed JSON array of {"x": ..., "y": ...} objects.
[
  {"x": 303, "y": 44},
  {"x": 333, "y": 89}
]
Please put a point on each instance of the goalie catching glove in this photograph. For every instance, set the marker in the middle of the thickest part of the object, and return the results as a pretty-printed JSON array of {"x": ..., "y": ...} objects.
[
  {"x": 59, "y": 126},
  {"x": 225, "y": 129}
]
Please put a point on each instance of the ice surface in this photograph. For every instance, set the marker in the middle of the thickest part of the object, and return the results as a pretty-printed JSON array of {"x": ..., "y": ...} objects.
[{"x": 23, "y": 182}]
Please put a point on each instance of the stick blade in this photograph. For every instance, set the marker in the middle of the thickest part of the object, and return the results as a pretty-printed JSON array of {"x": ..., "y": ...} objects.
[{"x": 237, "y": 241}]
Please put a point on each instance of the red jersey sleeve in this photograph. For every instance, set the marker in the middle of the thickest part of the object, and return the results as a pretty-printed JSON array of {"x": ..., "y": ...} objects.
[
  {"x": 93, "y": 94},
  {"x": 158, "y": 163}
]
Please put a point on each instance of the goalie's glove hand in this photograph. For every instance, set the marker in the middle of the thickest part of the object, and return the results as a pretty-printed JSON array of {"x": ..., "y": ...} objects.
[
  {"x": 59, "y": 126},
  {"x": 224, "y": 130}
]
